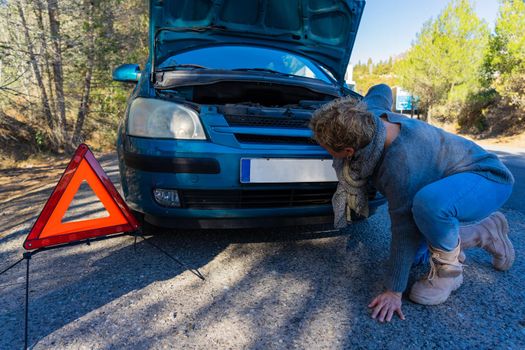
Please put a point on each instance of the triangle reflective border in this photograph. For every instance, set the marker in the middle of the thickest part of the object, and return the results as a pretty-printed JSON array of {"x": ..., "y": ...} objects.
[{"x": 50, "y": 230}]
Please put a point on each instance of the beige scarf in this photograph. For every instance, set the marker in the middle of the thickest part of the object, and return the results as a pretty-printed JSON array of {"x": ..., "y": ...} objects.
[{"x": 353, "y": 174}]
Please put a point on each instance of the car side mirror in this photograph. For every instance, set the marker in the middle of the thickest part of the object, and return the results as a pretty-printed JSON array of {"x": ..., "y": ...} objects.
[{"x": 127, "y": 73}]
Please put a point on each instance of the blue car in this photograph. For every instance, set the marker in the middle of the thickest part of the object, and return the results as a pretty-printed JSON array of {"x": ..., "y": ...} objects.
[{"x": 216, "y": 130}]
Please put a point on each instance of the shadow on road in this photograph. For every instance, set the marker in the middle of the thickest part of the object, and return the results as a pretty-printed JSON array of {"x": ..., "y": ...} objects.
[{"x": 68, "y": 284}]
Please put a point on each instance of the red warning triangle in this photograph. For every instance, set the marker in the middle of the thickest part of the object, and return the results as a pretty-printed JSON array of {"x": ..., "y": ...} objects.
[{"x": 50, "y": 228}]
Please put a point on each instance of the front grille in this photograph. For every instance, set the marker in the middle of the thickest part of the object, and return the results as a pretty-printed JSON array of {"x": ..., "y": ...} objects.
[
  {"x": 251, "y": 138},
  {"x": 245, "y": 199},
  {"x": 239, "y": 120}
]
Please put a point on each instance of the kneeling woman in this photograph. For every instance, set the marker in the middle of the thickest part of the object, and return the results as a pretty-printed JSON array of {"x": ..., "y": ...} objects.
[{"x": 434, "y": 182}]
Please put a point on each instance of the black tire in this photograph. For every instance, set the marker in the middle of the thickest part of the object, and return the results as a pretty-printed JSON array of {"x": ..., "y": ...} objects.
[{"x": 146, "y": 228}]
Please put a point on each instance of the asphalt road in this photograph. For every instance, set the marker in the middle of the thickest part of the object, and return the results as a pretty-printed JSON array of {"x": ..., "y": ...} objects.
[
  {"x": 300, "y": 287},
  {"x": 514, "y": 158}
]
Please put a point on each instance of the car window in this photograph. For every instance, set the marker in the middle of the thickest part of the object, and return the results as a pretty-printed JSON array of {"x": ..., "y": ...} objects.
[{"x": 249, "y": 57}]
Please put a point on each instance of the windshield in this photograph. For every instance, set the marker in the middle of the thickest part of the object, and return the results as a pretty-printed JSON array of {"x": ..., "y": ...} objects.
[{"x": 247, "y": 57}]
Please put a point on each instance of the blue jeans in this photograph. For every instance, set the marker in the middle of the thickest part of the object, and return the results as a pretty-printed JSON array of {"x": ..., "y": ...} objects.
[{"x": 440, "y": 207}]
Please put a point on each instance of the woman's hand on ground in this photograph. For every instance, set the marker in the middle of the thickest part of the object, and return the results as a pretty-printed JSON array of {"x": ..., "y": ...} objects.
[{"x": 384, "y": 306}]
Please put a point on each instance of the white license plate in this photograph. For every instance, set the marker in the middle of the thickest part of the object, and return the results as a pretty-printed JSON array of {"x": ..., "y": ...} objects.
[{"x": 278, "y": 170}]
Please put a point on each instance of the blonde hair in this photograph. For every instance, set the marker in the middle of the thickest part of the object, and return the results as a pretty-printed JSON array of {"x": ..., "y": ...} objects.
[{"x": 341, "y": 123}]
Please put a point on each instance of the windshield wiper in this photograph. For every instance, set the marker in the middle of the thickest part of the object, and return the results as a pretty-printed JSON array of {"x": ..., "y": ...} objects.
[
  {"x": 174, "y": 67},
  {"x": 267, "y": 70}
]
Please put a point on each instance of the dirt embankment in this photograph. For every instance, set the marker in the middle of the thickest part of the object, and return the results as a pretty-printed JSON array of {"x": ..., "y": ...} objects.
[{"x": 516, "y": 140}]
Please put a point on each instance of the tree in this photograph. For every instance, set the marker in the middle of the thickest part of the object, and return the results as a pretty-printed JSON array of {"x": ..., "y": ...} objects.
[
  {"x": 56, "y": 58},
  {"x": 88, "y": 7},
  {"x": 36, "y": 68},
  {"x": 58, "y": 76},
  {"x": 443, "y": 65},
  {"x": 369, "y": 74},
  {"x": 505, "y": 59}
]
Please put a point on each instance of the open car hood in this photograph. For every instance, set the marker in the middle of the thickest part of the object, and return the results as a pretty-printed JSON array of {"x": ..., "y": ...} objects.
[{"x": 321, "y": 30}]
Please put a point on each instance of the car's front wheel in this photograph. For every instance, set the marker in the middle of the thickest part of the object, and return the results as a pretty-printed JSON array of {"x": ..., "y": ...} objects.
[{"x": 146, "y": 228}]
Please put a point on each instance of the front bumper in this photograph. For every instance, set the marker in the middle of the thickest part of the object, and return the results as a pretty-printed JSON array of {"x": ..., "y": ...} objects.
[{"x": 208, "y": 178}]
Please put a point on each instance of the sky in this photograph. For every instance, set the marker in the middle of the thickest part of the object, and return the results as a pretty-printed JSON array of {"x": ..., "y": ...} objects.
[{"x": 388, "y": 27}]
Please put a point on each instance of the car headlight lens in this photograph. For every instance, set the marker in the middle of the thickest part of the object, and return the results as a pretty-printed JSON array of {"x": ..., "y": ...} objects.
[{"x": 162, "y": 119}]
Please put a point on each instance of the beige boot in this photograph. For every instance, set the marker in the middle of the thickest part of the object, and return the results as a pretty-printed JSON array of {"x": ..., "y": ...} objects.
[
  {"x": 446, "y": 275},
  {"x": 462, "y": 257},
  {"x": 490, "y": 234}
]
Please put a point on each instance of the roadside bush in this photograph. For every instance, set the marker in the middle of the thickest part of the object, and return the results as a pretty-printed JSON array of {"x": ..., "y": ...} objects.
[
  {"x": 472, "y": 116},
  {"x": 504, "y": 119},
  {"x": 488, "y": 114},
  {"x": 504, "y": 70},
  {"x": 443, "y": 113},
  {"x": 512, "y": 89}
]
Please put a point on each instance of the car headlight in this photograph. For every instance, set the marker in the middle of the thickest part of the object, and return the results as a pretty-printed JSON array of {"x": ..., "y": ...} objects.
[{"x": 162, "y": 119}]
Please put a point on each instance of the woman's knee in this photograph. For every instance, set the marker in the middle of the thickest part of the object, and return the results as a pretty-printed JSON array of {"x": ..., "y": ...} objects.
[{"x": 427, "y": 208}]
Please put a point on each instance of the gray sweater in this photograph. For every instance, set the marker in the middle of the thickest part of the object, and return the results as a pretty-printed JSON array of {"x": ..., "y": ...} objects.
[{"x": 421, "y": 154}]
